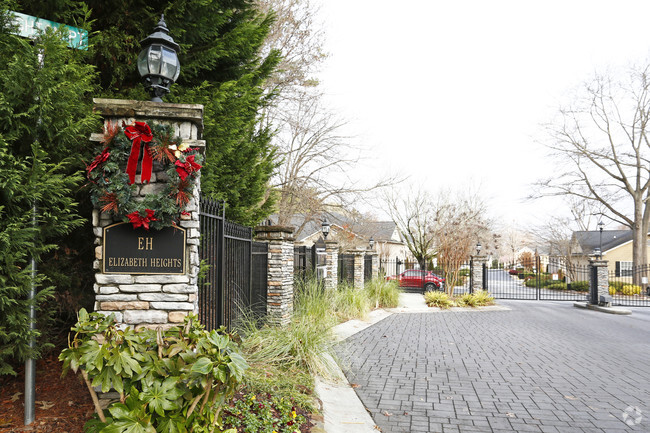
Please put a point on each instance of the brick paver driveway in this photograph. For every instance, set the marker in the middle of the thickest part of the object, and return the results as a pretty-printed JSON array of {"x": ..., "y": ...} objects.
[{"x": 541, "y": 367}]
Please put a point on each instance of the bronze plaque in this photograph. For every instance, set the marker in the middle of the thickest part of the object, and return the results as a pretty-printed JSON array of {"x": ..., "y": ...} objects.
[{"x": 140, "y": 251}]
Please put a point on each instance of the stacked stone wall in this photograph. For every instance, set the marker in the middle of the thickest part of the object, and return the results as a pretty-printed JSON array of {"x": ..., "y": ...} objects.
[{"x": 140, "y": 299}]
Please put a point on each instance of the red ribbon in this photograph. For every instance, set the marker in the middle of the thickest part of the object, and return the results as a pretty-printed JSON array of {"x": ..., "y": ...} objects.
[
  {"x": 137, "y": 220},
  {"x": 186, "y": 168},
  {"x": 139, "y": 132}
]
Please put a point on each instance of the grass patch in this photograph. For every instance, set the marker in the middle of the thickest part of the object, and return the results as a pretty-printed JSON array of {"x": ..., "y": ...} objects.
[{"x": 382, "y": 293}]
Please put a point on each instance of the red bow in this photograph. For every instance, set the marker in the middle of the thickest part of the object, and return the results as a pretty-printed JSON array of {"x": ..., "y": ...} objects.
[
  {"x": 139, "y": 132},
  {"x": 186, "y": 168},
  {"x": 99, "y": 159},
  {"x": 137, "y": 220}
]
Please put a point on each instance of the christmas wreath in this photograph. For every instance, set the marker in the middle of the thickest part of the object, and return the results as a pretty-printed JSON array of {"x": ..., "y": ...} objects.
[{"x": 112, "y": 174}]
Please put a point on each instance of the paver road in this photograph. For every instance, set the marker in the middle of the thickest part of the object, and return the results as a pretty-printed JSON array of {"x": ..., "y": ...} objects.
[{"x": 540, "y": 367}]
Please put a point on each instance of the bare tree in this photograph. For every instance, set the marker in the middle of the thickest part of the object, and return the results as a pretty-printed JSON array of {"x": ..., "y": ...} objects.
[
  {"x": 414, "y": 215},
  {"x": 603, "y": 152}
]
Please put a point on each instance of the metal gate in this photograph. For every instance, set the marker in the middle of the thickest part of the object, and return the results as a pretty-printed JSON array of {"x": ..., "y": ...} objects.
[
  {"x": 230, "y": 259},
  {"x": 346, "y": 268}
]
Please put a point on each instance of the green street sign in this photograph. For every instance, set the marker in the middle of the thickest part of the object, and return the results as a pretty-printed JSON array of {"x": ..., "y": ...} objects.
[{"x": 29, "y": 26}]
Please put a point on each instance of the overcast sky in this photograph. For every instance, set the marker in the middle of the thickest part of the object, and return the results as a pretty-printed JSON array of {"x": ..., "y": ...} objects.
[{"x": 455, "y": 92}]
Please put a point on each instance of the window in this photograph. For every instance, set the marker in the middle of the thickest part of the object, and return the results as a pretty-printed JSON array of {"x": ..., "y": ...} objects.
[{"x": 624, "y": 269}]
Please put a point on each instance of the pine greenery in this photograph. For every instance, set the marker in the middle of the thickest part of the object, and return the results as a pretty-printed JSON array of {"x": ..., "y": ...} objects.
[{"x": 42, "y": 123}]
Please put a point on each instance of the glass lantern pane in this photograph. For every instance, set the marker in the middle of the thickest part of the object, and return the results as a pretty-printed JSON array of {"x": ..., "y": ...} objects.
[
  {"x": 143, "y": 66},
  {"x": 155, "y": 59},
  {"x": 169, "y": 64}
]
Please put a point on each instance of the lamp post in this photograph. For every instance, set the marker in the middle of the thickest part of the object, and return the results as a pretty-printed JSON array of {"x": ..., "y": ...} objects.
[
  {"x": 325, "y": 227},
  {"x": 371, "y": 242},
  {"x": 601, "y": 225},
  {"x": 158, "y": 63},
  {"x": 478, "y": 248}
]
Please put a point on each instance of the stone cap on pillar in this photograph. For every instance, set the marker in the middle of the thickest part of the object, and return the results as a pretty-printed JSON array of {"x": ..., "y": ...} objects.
[
  {"x": 356, "y": 251},
  {"x": 268, "y": 233},
  {"x": 331, "y": 245},
  {"x": 598, "y": 262}
]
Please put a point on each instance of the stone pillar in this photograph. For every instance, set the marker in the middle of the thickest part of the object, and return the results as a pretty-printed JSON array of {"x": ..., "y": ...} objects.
[
  {"x": 358, "y": 267},
  {"x": 374, "y": 273},
  {"x": 598, "y": 280},
  {"x": 279, "y": 294},
  {"x": 477, "y": 272},
  {"x": 145, "y": 300},
  {"x": 332, "y": 265}
]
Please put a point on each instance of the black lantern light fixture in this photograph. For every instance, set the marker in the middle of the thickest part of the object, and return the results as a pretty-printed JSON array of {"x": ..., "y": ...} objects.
[
  {"x": 325, "y": 227},
  {"x": 601, "y": 225},
  {"x": 371, "y": 242},
  {"x": 478, "y": 248},
  {"x": 158, "y": 63}
]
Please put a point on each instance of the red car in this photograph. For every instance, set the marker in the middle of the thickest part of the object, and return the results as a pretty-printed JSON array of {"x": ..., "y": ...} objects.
[{"x": 419, "y": 278}]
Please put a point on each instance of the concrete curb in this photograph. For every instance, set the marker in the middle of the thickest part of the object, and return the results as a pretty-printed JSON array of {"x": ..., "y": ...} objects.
[{"x": 608, "y": 310}]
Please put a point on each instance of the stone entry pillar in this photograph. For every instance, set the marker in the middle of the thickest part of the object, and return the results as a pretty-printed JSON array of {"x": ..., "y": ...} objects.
[
  {"x": 477, "y": 273},
  {"x": 332, "y": 265},
  {"x": 598, "y": 280},
  {"x": 279, "y": 294},
  {"x": 358, "y": 267},
  {"x": 141, "y": 299}
]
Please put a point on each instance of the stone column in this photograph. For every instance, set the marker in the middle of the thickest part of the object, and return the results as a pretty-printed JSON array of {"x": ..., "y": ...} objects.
[
  {"x": 332, "y": 265},
  {"x": 279, "y": 294},
  {"x": 358, "y": 267},
  {"x": 598, "y": 280},
  {"x": 477, "y": 272},
  {"x": 144, "y": 300}
]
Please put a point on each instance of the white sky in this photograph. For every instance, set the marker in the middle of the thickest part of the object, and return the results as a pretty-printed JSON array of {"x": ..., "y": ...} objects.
[{"x": 454, "y": 92}]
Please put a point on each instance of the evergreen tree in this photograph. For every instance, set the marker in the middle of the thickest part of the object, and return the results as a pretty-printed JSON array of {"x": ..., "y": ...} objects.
[
  {"x": 43, "y": 124},
  {"x": 220, "y": 68}
]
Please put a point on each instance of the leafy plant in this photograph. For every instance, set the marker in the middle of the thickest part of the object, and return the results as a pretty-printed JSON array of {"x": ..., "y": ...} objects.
[
  {"x": 580, "y": 286},
  {"x": 253, "y": 413},
  {"x": 438, "y": 299},
  {"x": 466, "y": 300},
  {"x": 631, "y": 289},
  {"x": 173, "y": 381},
  {"x": 482, "y": 298},
  {"x": 350, "y": 302}
]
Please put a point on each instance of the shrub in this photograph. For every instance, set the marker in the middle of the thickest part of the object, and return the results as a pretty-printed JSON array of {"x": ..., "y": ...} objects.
[
  {"x": 438, "y": 299},
  {"x": 161, "y": 377},
  {"x": 631, "y": 289},
  {"x": 556, "y": 285},
  {"x": 464, "y": 272},
  {"x": 580, "y": 286},
  {"x": 617, "y": 285},
  {"x": 483, "y": 298},
  {"x": 382, "y": 293},
  {"x": 466, "y": 300},
  {"x": 257, "y": 414},
  {"x": 612, "y": 290}
]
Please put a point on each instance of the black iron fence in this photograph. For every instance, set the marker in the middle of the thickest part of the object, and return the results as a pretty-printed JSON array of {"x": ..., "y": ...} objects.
[
  {"x": 229, "y": 284},
  {"x": 414, "y": 277},
  {"x": 367, "y": 268},
  {"x": 346, "y": 268},
  {"x": 629, "y": 286}
]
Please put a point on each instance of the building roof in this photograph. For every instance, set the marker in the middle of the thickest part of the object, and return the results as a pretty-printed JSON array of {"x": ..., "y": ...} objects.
[
  {"x": 590, "y": 240},
  {"x": 378, "y": 230}
]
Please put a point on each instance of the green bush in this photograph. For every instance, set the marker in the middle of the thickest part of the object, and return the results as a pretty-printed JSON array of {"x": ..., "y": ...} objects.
[
  {"x": 466, "y": 300},
  {"x": 483, "y": 298},
  {"x": 438, "y": 299},
  {"x": 257, "y": 414},
  {"x": 557, "y": 285},
  {"x": 580, "y": 286},
  {"x": 464, "y": 272},
  {"x": 174, "y": 381},
  {"x": 617, "y": 285}
]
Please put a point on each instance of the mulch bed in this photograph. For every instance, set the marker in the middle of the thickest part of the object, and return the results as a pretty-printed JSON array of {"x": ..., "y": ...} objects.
[{"x": 63, "y": 405}]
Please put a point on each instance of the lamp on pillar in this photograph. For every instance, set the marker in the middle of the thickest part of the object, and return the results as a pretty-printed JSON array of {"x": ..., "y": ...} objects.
[
  {"x": 325, "y": 227},
  {"x": 371, "y": 243},
  {"x": 478, "y": 248},
  {"x": 601, "y": 225},
  {"x": 158, "y": 63}
]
